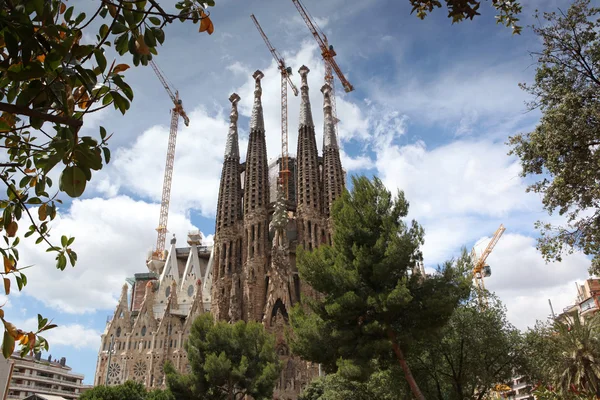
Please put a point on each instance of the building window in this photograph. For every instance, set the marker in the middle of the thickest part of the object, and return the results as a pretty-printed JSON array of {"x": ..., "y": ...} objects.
[
  {"x": 118, "y": 331},
  {"x": 143, "y": 330}
]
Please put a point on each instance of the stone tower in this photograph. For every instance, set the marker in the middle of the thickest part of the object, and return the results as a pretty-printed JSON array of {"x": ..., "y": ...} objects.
[
  {"x": 256, "y": 216},
  {"x": 227, "y": 259},
  {"x": 308, "y": 183},
  {"x": 333, "y": 175}
]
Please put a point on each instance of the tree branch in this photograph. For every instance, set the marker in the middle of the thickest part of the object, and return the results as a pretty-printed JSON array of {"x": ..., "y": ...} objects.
[{"x": 13, "y": 109}]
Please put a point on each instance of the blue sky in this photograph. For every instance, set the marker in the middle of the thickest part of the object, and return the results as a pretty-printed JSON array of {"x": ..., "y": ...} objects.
[{"x": 433, "y": 107}]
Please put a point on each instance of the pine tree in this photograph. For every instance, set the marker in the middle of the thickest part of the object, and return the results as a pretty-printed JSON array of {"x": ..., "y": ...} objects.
[{"x": 374, "y": 303}]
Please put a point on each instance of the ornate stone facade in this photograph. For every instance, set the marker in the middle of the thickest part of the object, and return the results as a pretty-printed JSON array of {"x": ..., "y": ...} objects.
[
  {"x": 251, "y": 272},
  {"x": 153, "y": 319}
]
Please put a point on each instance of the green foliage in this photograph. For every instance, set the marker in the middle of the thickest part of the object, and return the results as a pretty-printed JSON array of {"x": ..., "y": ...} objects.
[
  {"x": 459, "y": 10},
  {"x": 229, "y": 361},
  {"x": 49, "y": 82},
  {"x": 564, "y": 356},
  {"x": 129, "y": 390},
  {"x": 372, "y": 302},
  {"x": 381, "y": 385},
  {"x": 474, "y": 352},
  {"x": 562, "y": 150}
]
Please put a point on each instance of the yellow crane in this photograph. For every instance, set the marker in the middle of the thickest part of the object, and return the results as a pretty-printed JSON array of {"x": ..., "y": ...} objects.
[
  {"x": 176, "y": 112},
  {"x": 286, "y": 72},
  {"x": 480, "y": 269},
  {"x": 328, "y": 53}
]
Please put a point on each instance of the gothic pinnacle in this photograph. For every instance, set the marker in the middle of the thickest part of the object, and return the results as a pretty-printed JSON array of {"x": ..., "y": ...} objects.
[
  {"x": 257, "y": 120},
  {"x": 232, "y": 146},
  {"x": 305, "y": 112},
  {"x": 329, "y": 138}
]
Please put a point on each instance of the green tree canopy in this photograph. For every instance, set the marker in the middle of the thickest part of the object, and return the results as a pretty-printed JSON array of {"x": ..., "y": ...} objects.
[
  {"x": 373, "y": 301},
  {"x": 475, "y": 351},
  {"x": 562, "y": 151},
  {"x": 564, "y": 357},
  {"x": 381, "y": 385},
  {"x": 459, "y": 10},
  {"x": 127, "y": 391},
  {"x": 49, "y": 83},
  {"x": 229, "y": 361}
]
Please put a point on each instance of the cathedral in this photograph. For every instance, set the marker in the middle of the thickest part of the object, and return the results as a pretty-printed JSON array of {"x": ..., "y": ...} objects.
[{"x": 250, "y": 272}]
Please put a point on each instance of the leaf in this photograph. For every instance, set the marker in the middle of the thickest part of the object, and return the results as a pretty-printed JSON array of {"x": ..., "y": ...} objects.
[
  {"x": 64, "y": 240},
  {"x": 155, "y": 20},
  {"x": 206, "y": 24},
  {"x": 119, "y": 28},
  {"x": 61, "y": 261},
  {"x": 63, "y": 8},
  {"x": 8, "y": 345},
  {"x": 100, "y": 59},
  {"x": 11, "y": 229},
  {"x": 159, "y": 34},
  {"x": 106, "y": 152},
  {"x": 6, "y": 285},
  {"x": 102, "y": 132},
  {"x": 73, "y": 181},
  {"x": 149, "y": 38},
  {"x": 31, "y": 337},
  {"x": 120, "y": 68},
  {"x": 1, "y": 313},
  {"x": 112, "y": 10},
  {"x": 8, "y": 265},
  {"x": 42, "y": 212}
]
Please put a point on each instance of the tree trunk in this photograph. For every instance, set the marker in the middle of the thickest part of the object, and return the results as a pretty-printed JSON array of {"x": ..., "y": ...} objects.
[{"x": 407, "y": 374}]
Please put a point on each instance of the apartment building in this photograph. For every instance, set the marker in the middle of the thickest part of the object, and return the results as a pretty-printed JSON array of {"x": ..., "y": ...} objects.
[
  {"x": 520, "y": 389},
  {"x": 34, "y": 375}
]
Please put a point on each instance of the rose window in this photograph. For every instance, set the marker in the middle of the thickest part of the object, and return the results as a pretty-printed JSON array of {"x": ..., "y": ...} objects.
[
  {"x": 139, "y": 369},
  {"x": 114, "y": 373}
]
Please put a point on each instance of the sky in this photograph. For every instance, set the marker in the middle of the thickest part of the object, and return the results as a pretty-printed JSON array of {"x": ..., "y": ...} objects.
[{"x": 432, "y": 110}]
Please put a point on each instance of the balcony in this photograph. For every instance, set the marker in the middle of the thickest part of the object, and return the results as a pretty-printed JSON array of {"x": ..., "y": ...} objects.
[
  {"x": 36, "y": 389},
  {"x": 45, "y": 379}
]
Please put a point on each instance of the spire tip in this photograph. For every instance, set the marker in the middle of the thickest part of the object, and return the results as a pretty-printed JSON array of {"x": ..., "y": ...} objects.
[{"x": 234, "y": 98}]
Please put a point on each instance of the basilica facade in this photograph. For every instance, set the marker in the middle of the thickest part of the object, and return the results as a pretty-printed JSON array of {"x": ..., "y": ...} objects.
[{"x": 250, "y": 272}]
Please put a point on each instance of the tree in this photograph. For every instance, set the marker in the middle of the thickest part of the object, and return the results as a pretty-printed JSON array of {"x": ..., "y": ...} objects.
[
  {"x": 460, "y": 10},
  {"x": 229, "y": 361},
  {"x": 565, "y": 357},
  {"x": 49, "y": 82},
  {"x": 127, "y": 391},
  {"x": 562, "y": 150},
  {"x": 372, "y": 300},
  {"x": 381, "y": 385},
  {"x": 474, "y": 352}
]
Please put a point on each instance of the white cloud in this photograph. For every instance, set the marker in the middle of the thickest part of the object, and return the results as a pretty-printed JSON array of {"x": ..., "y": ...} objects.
[
  {"x": 460, "y": 178},
  {"x": 70, "y": 335},
  {"x": 139, "y": 169},
  {"x": 113, "y": 237}
]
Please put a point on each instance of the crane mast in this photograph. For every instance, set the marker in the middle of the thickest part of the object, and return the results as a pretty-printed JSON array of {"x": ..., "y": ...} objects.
[
  {"x": 328, "y": 54},
  {"x": 480, "y": 269},
  {"x": 176, "y": 112},
  {"x": 285, "y": 80}
]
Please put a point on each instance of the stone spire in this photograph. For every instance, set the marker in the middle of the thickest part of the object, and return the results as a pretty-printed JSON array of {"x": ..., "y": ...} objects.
[
  {"x": 256, "y": 216},
  {"x": 227, "y": 258},
  {"x": 232, "y": 148},
  {"x": 333, "y": 174},
  {"x": 308, "y": 186},
  {"x": 256, "y": 184},
  {"x": 329, "y": 136},
  {"x": 305, "y": 111},
  {"x": 257, "y": 120}
]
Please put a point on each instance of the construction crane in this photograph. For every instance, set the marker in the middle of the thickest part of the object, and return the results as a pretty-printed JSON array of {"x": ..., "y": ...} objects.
[
  {"x": 176, "y": 112},
  {"x": 480, "y": 269},
  {"x": 328, "y": 54},
  {"x": 286, "y": 80}
]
